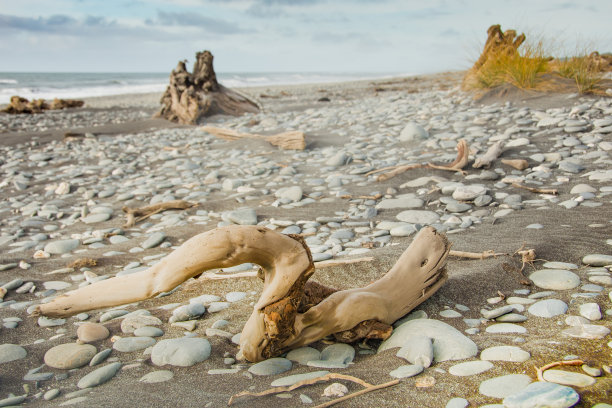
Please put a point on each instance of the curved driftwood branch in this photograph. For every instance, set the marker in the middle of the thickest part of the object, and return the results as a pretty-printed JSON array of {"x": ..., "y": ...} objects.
[
  {"x": 288, "y": 314},
  {"x": 492, "y": 153}
]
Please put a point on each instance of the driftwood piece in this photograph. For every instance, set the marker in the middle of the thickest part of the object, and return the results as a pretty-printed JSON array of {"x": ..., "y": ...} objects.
[
  {"x": 475, "y": 255},
  {"x": 552, "y": 191},
  {"x": 498, "y": 43},
  {"x": 191, "y": 96},
  {"x": 457, "y": 165},
  {"x": 492, "y": 153},
  {"x": 292, "y": 140},
  {"x": 135, "y": 215},
  {"x": 519, "y": 164},
  {"x": 276, "y": 325},
  {"x": 20, "y": 105}
]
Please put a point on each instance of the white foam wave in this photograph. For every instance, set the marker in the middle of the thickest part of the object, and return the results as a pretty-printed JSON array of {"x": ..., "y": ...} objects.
[{"x": 8, "y": 81}]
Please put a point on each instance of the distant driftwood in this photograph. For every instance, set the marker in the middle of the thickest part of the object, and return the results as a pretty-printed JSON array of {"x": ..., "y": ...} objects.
[
  {"x": 191, "y": 96},
  {"x": 22, "y": 105}
]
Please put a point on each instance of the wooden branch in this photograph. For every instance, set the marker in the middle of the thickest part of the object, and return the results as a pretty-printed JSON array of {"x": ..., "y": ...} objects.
[
  {"x": 292, "y": 140},
  {"x": 519, "y": 164},
  {"x": 135, "y": 215},
  {"x": 540, "y": 371},
  {"x": 553, "y": 191},
  {"x": 475, "y": 255},
  {"x": 399, "y": 170},
  {"x": 276, "y": 325},
  {"x": 485, "y": 160}
]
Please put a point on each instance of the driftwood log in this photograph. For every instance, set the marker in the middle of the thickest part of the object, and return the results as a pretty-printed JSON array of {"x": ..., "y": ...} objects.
[
  {"x": 292, "y": 140},
  {"x": 289, "y": 313},
  {"x": 498, "y": 43},
  {"x": 191, "y": 96},
  {"x": 22, "y": 105}
]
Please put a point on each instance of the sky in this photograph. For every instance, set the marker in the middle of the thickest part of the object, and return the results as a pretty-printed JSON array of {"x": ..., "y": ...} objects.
[{"x": 378, "y": 36}]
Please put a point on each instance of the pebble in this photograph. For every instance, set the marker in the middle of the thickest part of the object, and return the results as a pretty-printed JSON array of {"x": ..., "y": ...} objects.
[
  {"x": 597, "y": 260},
  {"x": 457, "y": 403},
  {"x": 69, "y": 355},
  {"x": 406, "y": 371},
  {"x": 153, "y": 240},
  {"x": 100, "y": 357},
  {"x": 303, "y": 355},
  {"x": 448, "y": 342},
  {"x": 271, "y": 366},
  {"x": 92, "y": 332},
  {"x": 418, "y": 217},
  {"x": 242, "y": 216},
  {"x": 99, "y": 376},
  {"x": 543, "y": 395},
  {"x": 51, "y": 394},
  {"x": 555, "y": 279},
  {"x": 187, "y": 312},
  {"x": 47, "y": 322},
  {"x": 505, "y": 353},
  {"x": 568, "y": 378},
  {"x": 129, "y": 344},
  {"x": 591, "y": 311},
  {"x": 157, "y": 377},
  {"x": 182, "y": 352},
  {"x": 235, "y": 296},
  {"x": 587, "y": 331},
  {"x": 470, "y": 368},
  {"x": 548, "y": 308},
  {"x": 335, "y": 390},
  {"x": 62, "y": 246},
  {"x": 11, "y": 352},
  {"x": 148, "y": 331},
  {"x": 504, "y": 386},
  {"x": 130, "y": 323},
  {"x": 417, "y": 350}
]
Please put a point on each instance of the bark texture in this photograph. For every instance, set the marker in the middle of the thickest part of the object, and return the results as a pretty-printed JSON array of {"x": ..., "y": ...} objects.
[
  {"x": 22, "y": 105},
  {"x": 192, "y": 96}
]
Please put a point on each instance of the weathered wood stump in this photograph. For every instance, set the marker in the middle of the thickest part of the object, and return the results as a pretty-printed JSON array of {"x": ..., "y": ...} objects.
[
  {"x": 192, "y": 96},
  {"x": 22, "y": 105}
]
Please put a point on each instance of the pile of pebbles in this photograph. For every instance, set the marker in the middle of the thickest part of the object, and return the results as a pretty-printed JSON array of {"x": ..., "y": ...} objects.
[{"x": 63, "y": 200}]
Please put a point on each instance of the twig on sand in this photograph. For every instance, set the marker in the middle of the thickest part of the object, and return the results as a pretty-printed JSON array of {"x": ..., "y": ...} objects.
[
  {"x": 540, "y": 371},
  {"x": 332, "y": 376},
  {"x": 553, "y": 191},
  {"x": 135, "y": 215},
  {"x": 475, "y": 255},
  {"x": 457, "y": 165}
]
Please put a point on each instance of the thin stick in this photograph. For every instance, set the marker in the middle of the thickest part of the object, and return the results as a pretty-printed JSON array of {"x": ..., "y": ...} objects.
[
  {"x": 540, "y": 371},
  {"x": 399, "y": 170},
  {"x": 553, "y": 191},
  {"x": 358, "y": 393},
  {"x": 475, "y": 255},
  {"x": 278, "y": 390},
  {"x": 135, "y": 215}
]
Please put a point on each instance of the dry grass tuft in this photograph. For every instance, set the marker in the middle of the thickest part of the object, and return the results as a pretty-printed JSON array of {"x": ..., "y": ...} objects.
[{"x": 582, "y": 70}]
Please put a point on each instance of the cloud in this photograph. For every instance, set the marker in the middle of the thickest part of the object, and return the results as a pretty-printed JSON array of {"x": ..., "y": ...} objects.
[
  {"x": 41, "y": 24},
  {"x": 190, "y": 19}
]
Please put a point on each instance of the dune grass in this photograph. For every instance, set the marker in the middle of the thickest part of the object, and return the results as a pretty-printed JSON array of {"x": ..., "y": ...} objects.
[{"x": 582, "y": 71}]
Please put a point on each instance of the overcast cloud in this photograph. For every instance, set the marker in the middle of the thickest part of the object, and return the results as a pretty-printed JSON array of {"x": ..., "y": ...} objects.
[{"x": 282, "y": 35}]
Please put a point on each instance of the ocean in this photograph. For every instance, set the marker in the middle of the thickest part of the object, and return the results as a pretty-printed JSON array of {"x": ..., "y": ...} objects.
[{"x": 49, "y": 85}]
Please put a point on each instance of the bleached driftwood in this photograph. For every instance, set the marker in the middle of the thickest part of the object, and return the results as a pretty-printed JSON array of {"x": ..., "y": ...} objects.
[
  {"x": 519, "y": 164},
  {"x": 279, "y": 321},
  {"x": 20, "y": 105},
  {"x": 292, "y": 140},
  {"x": 552, "y": 191},
  {"x": 485, "y": 160},
  {"x": 135, "y": 215}
]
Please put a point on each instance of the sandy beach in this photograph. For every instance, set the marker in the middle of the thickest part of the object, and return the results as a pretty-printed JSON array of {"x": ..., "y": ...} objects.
[{"x": 58, "y": 190}]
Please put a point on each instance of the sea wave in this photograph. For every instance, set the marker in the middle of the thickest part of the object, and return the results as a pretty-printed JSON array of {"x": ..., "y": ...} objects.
[{"x": 8, "y": 81}]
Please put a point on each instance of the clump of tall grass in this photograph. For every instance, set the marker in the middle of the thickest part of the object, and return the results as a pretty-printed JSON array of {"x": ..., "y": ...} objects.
[{"x": 582, "y": 70}]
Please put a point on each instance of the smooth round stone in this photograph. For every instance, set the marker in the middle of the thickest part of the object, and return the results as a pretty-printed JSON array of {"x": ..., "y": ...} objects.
[
  {"x": 402, "y": 230},
  {"x": 406, "y": 371},
  {"x": 456, "y": 207},
  {"x": 511, "y": 318},
  {"x": 399, "y": 203},
  {"x": 271, "y": 366},
  {"x": 129, "y": 344},
  {"x": 338, "y": 353},
  {"x": 591, "y": 311},
  {"x": 468, "y": 193},
  {"x": 482, "y": 200},
  {"x": 112, "y": 314},
  {"x": 62, "y": 246},
  {"x": 457, "y": 403},
  {"x": 100, "y": 357},
  {"x": 587, "y": 331},
  {"x": 492, "y": 314},
  {"x": 99, "y": 376},
  {"x": 205, "y": 299},
  {"x": 597, "y": 260},
  {"x": 535, "y": 226},
  {"x": 504, "y": 386},
  {"x": 187, "y": 312},
  {"x": 157, "y": 376},
  {"x": 69, "y": 355},
  {"x": 148, "y": 331},
  {"x": 450, "y": 313},
  {"x": 183, "y": 352},
  {"x": 56, "y": 285},
  {"x": 602, "y": 280},
  {"x": 215, "y": 307},
  {"x": 118, "y": 239},
  {"x": 560, "y": 265},
  {"x": 589, "y": 287},
  {"x": 548, "y": 308},
  {"x": 89, "y": 332},
  {"x": 413, "y": 132},
  {"x": 543, "y": 395},
  {"x": 292, "y": 379},
  {"x": 592, "y": 371},
  {"x": 11, "y": 352},
  {"x": 448, "y": 342},
  {"x": 52, "y": 393},
  {"x": 470, "y": 368},
  {"x": 235, "y": 296},
  {"x": 555, "y": 279},
  {"x": 154, "y": 240},
  {"x": 576, "y": 321},
  {"x": 303, "y": 355},
  {"x": 242, "y": 216},
  {"x": 568, "y": 378},
  {"x": 417, "y": 350},
  {"x": 95, "y": 218},
  {"x": 133, "y": 322},
  {"x": 505, "y": 353},
  {"x": 500, "y": 328},
  {"x": 418, "y": 217}
]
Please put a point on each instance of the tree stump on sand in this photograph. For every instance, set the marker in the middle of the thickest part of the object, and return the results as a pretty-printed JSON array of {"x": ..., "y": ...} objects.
[
  {"x": 22, "y": 105},
  {"x": 191, "y": 96},
  {"x": 498, "y": 43}
]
